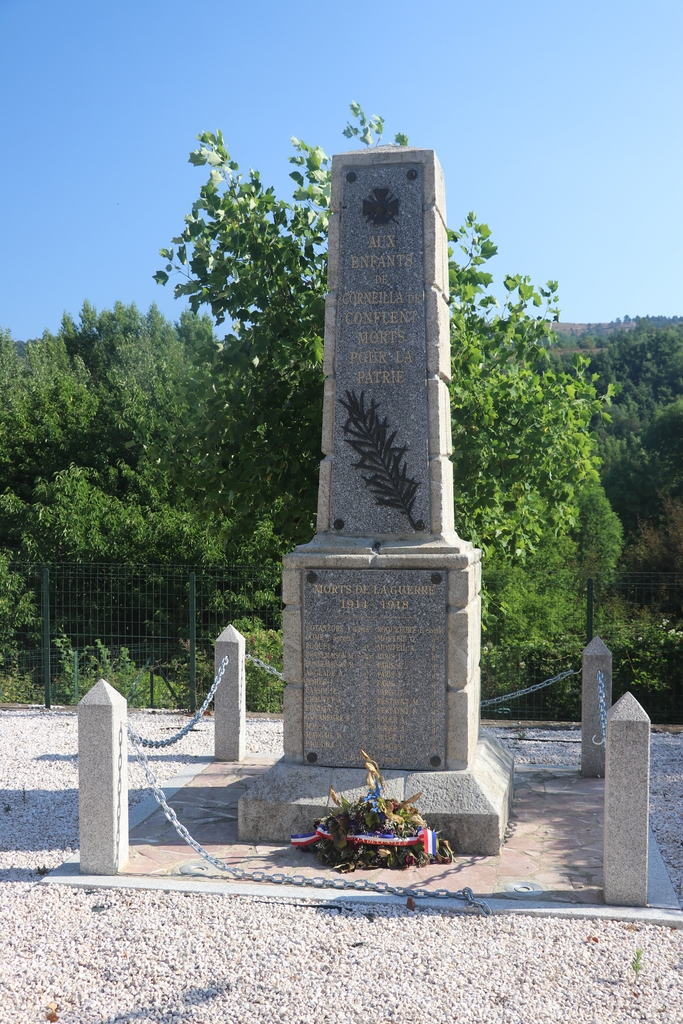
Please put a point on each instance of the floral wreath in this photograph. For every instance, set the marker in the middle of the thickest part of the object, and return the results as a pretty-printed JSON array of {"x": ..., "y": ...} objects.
[{"x": 374, "y": 831}]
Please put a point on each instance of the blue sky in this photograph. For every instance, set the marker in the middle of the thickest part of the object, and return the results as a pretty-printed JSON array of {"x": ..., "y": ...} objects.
[{"x": 558, "y": 122}]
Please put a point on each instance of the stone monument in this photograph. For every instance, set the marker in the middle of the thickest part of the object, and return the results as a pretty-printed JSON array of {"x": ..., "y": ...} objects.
[{"x": 382, "y": 619}]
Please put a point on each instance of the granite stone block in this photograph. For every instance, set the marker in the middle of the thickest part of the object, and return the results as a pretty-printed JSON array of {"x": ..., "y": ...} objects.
[
  {"x": 439, "y": 417},
  {"x": 230, "y": 705},
  {"x": 333, "y": 239},
  {"x": 627, "y": 804},
  {"x": 102, "y": 780},
  {"x": 464, "y": 585},
  {"x": 463, "y": 724},
  {"x": 388, "y": 557},
  {"x": 438, "y": 363},
  {"x": 464, "y": 643},
  {"x": 596, "y": 658},
  {"x": 435, "y": 243},
  {"x": 292, "y": 644},
  {"x": 284, "y": 801},
  {"x": 293, "y": 723},
  {"x": 437, "y": 327},
  {"x": 382, "y": 553},
  {"x": 291, "y": 586},
  {"x": 435, "y": 187},
  {"x": 330, "y": 333},
  {"x": 380, "y": 358},
  {"x": 471, "y": 807},
  {"x": 324, "y": 484},
  {"x": 441, "y": 481},
  {"x": 327, "y": 440}
]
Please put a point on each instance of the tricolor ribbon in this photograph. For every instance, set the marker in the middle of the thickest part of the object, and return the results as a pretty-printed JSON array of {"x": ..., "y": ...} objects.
[
  {"x": 430, "y": 843},
  {"x": 426, "y": 836},
  {"x": 304, "y": 838}
]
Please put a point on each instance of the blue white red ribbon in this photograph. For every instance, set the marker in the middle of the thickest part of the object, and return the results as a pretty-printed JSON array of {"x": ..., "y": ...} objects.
[
  {"x": 426, "y": 836},
  {"x": 429, "y": 839},
  {"x": 304, "y": 838}
]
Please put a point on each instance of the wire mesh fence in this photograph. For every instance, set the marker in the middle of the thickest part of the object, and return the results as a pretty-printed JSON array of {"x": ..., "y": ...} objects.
[
  {"x": 537, "y": 626},
  {"x": 149, "y": 630}
]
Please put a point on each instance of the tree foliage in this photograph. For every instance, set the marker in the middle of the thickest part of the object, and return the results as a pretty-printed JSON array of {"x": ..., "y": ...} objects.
[
  {"x": 640, "y": 446},
  {"x": 79, "y": 412},
  {"x": 521, "y": 430},
  {"x": 253, "y": 443}
]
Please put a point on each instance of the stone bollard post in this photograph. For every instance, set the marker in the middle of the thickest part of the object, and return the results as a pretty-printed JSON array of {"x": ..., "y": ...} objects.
[
  {"x": 627, "y": 804},
  {"x": 230, "y": 702},
  {"x": 103, "y": 780},
  {"x": 596, "y": 658}
]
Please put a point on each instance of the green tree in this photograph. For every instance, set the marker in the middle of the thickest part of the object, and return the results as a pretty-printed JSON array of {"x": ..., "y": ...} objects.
[
  {"x": 644, "y": 365},
  {"x": 599, "y": 533},
  {"x": 79, "y": 411},
  {"x": 663, "y": 443},
  {"x": 252, "y": 448},
  {"x": 658, "y": 544},
  {"x": 521, "y": 430},
  {"x": 650, "y": 490},
  {"x": 253, "y": 445}
]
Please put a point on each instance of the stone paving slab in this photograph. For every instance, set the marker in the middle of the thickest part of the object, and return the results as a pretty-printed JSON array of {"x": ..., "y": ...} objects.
[
  {"x": 552, "y": 852},
  {"x": 68, "y": 874}
]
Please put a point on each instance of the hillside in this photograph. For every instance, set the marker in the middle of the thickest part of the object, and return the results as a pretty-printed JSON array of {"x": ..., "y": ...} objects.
[
  {"x": 642, "y": 444},
  {"x": 570, "y": 333},
  {"x": 566, "y": 330}
]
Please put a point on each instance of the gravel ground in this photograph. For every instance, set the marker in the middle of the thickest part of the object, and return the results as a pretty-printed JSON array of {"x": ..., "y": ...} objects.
[{"x": 97, "y": 956}]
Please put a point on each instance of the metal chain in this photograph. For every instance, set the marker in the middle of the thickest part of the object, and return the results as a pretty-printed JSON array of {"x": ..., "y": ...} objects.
[
  {"x": 529, "y": 689},
  {"x": 262, "y": 664},
  {"x": 193, "y": 721},
  {"x": 602, "y": 710},
  {"x": 484, "y": 703},
  {"x": 279, "y": 877}
]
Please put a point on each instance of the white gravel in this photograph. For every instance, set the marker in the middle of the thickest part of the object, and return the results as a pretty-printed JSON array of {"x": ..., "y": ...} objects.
[{"x": 101, "y": 956}]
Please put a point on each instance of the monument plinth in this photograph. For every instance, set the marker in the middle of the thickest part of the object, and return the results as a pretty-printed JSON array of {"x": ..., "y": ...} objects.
[{"x": 382, "y": 620}]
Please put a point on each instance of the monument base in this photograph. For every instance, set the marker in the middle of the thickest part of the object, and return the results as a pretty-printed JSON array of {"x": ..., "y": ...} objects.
[{"x": 469, "y": 807}]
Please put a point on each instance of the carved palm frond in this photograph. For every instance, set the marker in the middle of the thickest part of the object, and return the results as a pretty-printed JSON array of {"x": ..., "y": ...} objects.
[{"x": 369, "y": 437}]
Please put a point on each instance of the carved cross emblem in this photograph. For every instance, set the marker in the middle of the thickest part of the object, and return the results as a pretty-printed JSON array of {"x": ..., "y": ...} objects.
[{"x": 382, "y": 209}]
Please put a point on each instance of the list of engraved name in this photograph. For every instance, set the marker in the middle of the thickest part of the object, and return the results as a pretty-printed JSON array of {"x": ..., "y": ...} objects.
[{"x": 374, "y": 668}]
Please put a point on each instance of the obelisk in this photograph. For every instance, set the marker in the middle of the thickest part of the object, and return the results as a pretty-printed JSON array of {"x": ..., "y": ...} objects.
[{"x": 383, "y": 619}]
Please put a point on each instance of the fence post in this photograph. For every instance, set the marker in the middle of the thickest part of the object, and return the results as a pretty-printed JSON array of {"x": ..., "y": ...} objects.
[
  {"x": 193, "y": 643},
  {"x": 76, "y": 676},
  {"x": 589, "y": 609},
  {"x": 230, "y": 701},
  {"x": 45, "y": 596},
  {"x": 627, "y": 800},
  {"x": 102, "y": 780},
  {"x": 596, "y": 658}
]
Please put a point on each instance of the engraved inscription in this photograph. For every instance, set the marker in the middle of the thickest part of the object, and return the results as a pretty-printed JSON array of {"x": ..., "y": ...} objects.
[
  {"x": 381, "y": 347},
  {"x": 375, "y": 668}
]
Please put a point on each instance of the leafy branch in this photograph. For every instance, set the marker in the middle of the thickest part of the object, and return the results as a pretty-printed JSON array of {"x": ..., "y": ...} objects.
[
  {"x": 388, "y": 480},
  {"x": 367, "y": 126}
]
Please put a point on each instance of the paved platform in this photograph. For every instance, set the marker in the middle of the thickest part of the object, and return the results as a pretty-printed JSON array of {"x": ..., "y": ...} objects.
[
  {"x": 553, "y": 849},
  {"x": 550, "y": 865}
]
